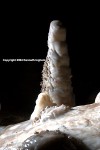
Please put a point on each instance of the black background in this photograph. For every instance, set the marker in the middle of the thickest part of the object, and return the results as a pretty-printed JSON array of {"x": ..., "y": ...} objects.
[{"x": 24, "y": 35}]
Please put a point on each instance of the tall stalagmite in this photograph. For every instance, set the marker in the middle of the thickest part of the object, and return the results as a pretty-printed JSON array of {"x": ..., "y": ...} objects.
[{"x": 56, "y": 71}]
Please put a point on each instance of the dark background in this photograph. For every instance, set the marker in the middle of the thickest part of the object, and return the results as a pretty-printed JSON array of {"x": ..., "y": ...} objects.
[{"x": 24, "y": 35}]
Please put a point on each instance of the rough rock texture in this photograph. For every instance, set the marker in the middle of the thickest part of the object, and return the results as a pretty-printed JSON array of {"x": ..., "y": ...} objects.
[
  {"x": 56, "y": 70},
  {"x": 81, "y": 123},
  {"x": 52, "y": 140},
  {"x": 42, "y": 102}
]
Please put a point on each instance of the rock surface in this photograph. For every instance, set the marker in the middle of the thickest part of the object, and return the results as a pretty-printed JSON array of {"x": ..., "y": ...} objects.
[
  {"x": 61, "y": 126},
  {"x": 81, "y": 123},
  {"x": 52, "y": 140}
]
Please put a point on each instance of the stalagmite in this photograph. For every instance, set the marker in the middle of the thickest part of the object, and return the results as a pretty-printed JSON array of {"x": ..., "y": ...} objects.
[
  {"x": 59, "y": 125},
  {"x": 56, "y": 84},
  {"x": 56, "y": 70}
]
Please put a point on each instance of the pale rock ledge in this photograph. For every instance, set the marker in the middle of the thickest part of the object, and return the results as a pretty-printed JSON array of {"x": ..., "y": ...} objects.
[{"x": 81, "y": 122}]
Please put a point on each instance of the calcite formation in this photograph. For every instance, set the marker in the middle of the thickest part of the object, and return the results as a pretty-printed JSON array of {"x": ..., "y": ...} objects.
[
  {"x": 80, "y": 122},
  {"x": 55, "y": 122},
  {"x": 56, "y": 70},
  {"x": 42, "y": 102},
  {"x": 97, "y": 100},
  {"x": 56, "y": 84}
]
